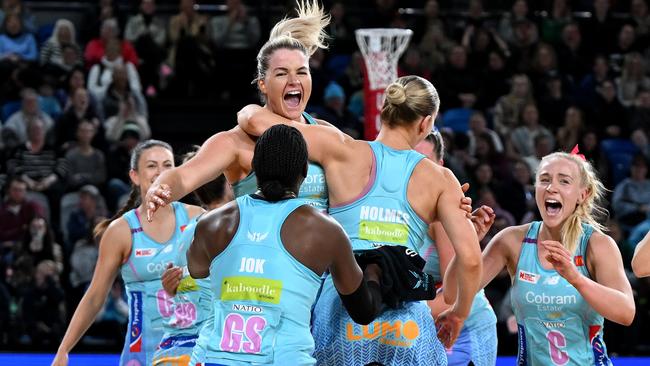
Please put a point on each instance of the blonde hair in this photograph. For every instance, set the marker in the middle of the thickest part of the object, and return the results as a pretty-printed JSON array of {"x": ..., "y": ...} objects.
[
  {"x": 587, "y": 211},
  {"x": 305, "y": 33},
  {"x": 407, "y": 99}
]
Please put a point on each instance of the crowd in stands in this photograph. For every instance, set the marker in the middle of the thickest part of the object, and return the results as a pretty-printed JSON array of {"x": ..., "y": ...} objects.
[{"x": 517, "y": 80}]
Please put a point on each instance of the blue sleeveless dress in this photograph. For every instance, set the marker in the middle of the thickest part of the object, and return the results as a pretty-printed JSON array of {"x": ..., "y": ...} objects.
[
  {"x": 263, "y": 295},
  {"x": 149, "y": 305},
  {"x": 382, "y": 216},
  {"x": 189, "y": 311},
  {"x": 556, "y": 324},
  {"x": 477, "y": 341}
]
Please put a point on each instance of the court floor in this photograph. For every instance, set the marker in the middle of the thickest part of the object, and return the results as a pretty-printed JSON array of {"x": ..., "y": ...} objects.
[{"x": 24, "y": 359}]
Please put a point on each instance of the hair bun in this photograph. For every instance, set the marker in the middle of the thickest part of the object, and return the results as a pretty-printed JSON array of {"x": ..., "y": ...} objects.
[{"x": 395, "y": 94}]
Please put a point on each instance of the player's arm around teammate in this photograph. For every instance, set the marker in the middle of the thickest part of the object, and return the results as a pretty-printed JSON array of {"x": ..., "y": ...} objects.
[
  {"x": 433, "y": 191},
  {"x": 641, "y": 260}
]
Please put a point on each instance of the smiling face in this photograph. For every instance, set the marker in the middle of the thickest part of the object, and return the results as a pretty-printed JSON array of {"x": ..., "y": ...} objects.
[
  {"x": 152, "y": 163},
  {"x": 287, "y": 83},
  {"x": 558, "y": 190}
]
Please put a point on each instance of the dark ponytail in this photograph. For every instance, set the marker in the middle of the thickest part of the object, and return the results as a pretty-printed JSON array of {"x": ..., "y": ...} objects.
[
  {"x": 279, "y": 161},
  {"x": 131, "y": 203}
]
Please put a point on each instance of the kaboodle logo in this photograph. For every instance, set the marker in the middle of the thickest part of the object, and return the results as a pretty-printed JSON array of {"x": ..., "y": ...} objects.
[
  {"x": 395, "y": 333},
  {"x": 251, "y": 289}
]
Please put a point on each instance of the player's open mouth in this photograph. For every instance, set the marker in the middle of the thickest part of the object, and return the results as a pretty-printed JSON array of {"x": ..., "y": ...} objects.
[
  {"x": 553, "y": 207},
  {"x": 292, "y": 98}
]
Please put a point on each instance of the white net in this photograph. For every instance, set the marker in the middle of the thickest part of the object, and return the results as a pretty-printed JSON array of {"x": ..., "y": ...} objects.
[{"x": 381, "y": 49}]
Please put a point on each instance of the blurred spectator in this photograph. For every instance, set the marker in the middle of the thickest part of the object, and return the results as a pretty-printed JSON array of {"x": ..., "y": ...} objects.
[
  {"x": 128, "y": 115},
  {"x": 554, "y": 103},
  {"x": 17, "y": 7},
  {"x": 430, "y": 37},
  {"x": 82, "y": 265},
  {"x": 607, "y": 113},
  {"x": 384, "y": 14},
  {"x": 236, "y": 35},
  {"x": 552, "y": 25},
  {"x": 341, "y": 29},
  {"x": 74, "y": 79},
  {"x": 573, "y": 56},
  {"x": 187, "y": 23},
  {"x": 95, "y": 49},
  {"x": 588, "y": 90},
  {"x": 544, "y": 65},
  {"x": 334, "y": 111},
  {"x": 523, "y": 45},
  {"x": 61, "y": 49},
  {"x": 44, "y": 301},
  {"x": 522, "y": 138},
  {"x": 590, "y": 148},
  {"x": 39, "y": 244},
  {"x": 518, "y": 13},
  {"x": 631, "y": 199},
  {"x": 119, "y": 165},
  {"x": 16, "y": 44},
  {"x": 96, "y": 13},
  {"x": 457, "y": 82},
  {"x": 568, "y": 135},
  {"x": 478, "y": 126},
  {"x": 191, "y": 54},
  {"x": 320, "y": 78},
  {"x": 83, "y": 219},
  {"x": 86, "y": 165},
  {"x": 30, "y": 111},
  {"x": 17, "y": 211},
  {"x": 601, "y": 28},
  {"x": 411, "y": 64},
  {"x": 479, "y": 41},
  {"x": 640, "y": 16},
  {"x": 120, "y": 90},
  {"x": 352, "y": 78},
  {"x": 503, "y": 218},
  {"x": 148, "y": 33},
  {"x": 80, "y": 110},
  {"x": 515, "y": 194},
  {"x": 509, "y": 107},
  {"x": 38, "y": 165},
  {"x": 101, "y": 74},
  {"x": 633, "y": 79},
  {"x": 640, "y": 113},
  {"x": 485, "y": 152},
  {"x": 493, "y": 80},
  {"x": 236, "y": 29},
  {"x": 626, "y": 43},
  {"x": 543, "y": 146}
]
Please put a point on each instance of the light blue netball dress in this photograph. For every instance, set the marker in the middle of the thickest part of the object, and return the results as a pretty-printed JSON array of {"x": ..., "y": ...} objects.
[
  {"x": 149, "y": 304},
  {"x": 477, "y": 341},
  {"x": 263, "y": 295},
  {"x": 313, "y": 189},
  {"x": 556, "y": 324},
  {"x": 189, "y": 311},
  {"x": 380, "y": 216}
]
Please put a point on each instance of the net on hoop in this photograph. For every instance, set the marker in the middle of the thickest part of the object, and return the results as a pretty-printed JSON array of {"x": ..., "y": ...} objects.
[{"x": 381, "y": 49}]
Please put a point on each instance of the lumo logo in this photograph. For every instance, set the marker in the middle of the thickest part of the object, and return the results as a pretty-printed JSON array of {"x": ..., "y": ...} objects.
[{"x": 394, "y": 333}]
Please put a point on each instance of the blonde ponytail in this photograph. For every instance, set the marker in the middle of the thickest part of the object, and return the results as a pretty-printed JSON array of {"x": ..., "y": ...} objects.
[{"x": 306, "y": 33}]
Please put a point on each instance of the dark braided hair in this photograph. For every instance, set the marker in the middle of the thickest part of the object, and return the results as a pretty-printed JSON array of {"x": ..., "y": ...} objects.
[
  {"x": 134, "y": 195},
  {"x": 279, "y": 161}
]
